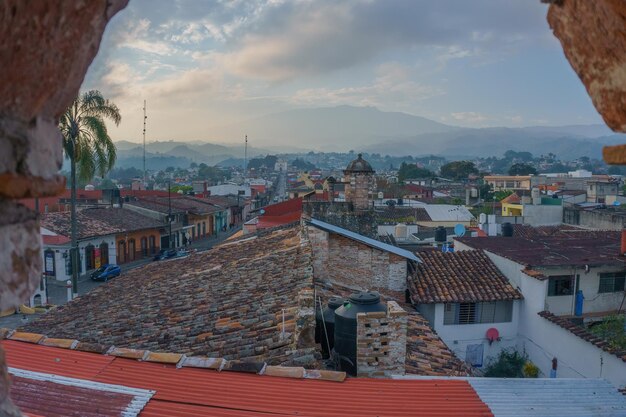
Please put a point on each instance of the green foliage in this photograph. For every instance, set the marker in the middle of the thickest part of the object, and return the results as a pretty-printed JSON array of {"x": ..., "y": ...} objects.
[
  {"x": 458, "y": 170},
  {"x": 530, "y": 370},
  {"x": 184, "y": 188},
  {"x": 408, "y": 171},
  {"x": 302, "y": 165},
  {"x": 267, "y": 162},
  {"x": 524, "y": 156},
  {"x": 615, "y": 170},
  {"x": 212, "y": 174},
  {"x": 106, "y": 184},
  {"x": 86, "y": 140},
  {"x": 501, "y": 195},
  {"x": 522, "y": 169},
  {"x": 612, "y": 330},
  {"x": 508, "y": 364}
]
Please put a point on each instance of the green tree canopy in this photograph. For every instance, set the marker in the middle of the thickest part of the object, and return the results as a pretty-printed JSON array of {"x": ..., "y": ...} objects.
[
  {"x": 458, "y": 170},
  {"x": 86, "y": 140},
  {"x": 522, "y": 169},
  {"x": 408, "y": 171}
]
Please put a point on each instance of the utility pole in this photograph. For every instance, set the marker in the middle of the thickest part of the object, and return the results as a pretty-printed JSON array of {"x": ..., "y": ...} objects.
[
  {"x": 245, "y": 160},
  {"x": 145, "y": 182},
  {"x": 169, "y": 211}
]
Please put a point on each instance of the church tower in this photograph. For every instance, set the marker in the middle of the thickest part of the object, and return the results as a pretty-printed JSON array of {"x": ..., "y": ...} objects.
[{"x": 359, "y": 177}]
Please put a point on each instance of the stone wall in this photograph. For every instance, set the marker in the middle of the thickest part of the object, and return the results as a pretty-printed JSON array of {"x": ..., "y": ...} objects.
[
  {"x": 381, "y": 342},
  {"x": 605, "y": 219},
  {"x": 357, "y": 190},
  {"x": 49, "y": 45},
  {"x": 355, "y": 265},
  {"x": 342, "y": 214}
]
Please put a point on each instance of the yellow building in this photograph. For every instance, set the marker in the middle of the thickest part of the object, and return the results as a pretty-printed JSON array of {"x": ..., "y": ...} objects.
[
  {"x": 509, "y": 182},
  {"x": 512, "y": 206}
]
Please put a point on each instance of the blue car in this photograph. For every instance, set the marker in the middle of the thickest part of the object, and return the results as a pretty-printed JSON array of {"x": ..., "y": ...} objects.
[{"x": 105, "y": 272}]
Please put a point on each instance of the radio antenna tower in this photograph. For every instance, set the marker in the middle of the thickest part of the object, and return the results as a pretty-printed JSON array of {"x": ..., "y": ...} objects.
[
  {"x": 245, "y": 160},
  {"x": 145, "y": 182}
]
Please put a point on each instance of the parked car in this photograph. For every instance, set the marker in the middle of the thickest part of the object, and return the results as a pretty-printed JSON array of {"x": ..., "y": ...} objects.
[
  {"x": 164, "y": 254},
  {"x": 106, "y": 272}
]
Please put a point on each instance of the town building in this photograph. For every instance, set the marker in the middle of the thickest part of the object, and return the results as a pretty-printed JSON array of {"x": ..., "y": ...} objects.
[
  {"x": 509, "y": 182},
  {"x": 569, "y": 278},
  {"x": 467, "y": 301},
  {"x": 360, "y": 183},
  {"x": 534, "y": 210}
]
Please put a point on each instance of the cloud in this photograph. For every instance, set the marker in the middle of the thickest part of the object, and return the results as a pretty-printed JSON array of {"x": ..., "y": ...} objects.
[
  {"x": 469, "y": 117},
  {"x": 136, "y": 36}
]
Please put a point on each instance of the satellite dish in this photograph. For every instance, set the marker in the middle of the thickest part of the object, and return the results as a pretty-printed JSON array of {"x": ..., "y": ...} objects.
[
  {"x": 262, "y": 211},
  {"x": 616, "y": 203},
  {"x": 459, "y": 230}
]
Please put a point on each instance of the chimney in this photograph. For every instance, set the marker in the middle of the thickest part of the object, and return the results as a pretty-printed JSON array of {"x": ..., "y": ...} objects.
[{"x": 623, "y": 249}]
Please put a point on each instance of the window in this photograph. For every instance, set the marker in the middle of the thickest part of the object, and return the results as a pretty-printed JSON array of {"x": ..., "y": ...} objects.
[
  {"x": 473, "y": 313},
  {"x": 144, "y": 246},
  {"x": 560, "y": 285},
  {"x": 612, "y": 282}
]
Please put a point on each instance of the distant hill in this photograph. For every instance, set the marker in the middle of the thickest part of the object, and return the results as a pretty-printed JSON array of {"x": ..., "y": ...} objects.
[{"x": 368, "y": 129}]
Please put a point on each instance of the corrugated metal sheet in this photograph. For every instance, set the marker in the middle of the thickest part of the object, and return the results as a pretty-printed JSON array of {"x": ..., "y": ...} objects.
[
  {"x": 550, "y": 397},
  {"x": 245, "y": 392},
  {"x": 365, "y": 240},
  {"x": 448, "y": 213},
  {"x": 57, "y": 396},
  {"x": 57, "y": 361}
]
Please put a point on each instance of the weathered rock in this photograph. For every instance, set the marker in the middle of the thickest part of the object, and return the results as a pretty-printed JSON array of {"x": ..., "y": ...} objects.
[
  {"x": 593, "y": 39},
  {"x": 47, "y": 47}
]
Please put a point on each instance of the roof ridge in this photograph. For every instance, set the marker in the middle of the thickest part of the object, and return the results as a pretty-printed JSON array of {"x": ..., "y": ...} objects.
[{"x": 181, "y": 360}]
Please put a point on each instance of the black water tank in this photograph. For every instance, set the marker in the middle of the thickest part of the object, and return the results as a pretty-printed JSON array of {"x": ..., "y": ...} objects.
[
  {"x": 345, "y": 326},
  {"x": 440, "y": 234},
  {"x": 507, "y": 229},
  {"x": 329, "y": 320}
]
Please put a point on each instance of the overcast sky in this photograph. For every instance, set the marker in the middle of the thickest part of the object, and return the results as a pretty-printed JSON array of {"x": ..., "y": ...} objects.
[{"x": 206, "y": 64}]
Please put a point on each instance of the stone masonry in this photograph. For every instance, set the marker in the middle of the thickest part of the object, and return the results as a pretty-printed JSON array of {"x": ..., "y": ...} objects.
[
  {"x": 47, "y": 48},
  {"x": 381, "y": 342},
  {"x": 354, "y": 264}
]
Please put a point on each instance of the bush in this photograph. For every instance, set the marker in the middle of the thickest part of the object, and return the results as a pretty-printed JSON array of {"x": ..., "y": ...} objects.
[
  {"x": 530, "y": 370},
  {"x": 612, "y": 330},
  {"x": 508, "y": 364}
]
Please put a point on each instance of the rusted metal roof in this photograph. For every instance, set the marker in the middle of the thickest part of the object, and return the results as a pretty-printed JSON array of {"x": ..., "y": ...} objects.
[
  {"x": 57, "y": 396},
  {"x": 193, "y": 391}
]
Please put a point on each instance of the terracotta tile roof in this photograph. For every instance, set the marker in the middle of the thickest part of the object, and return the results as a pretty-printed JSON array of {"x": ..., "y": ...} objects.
[
  {"x": 98, "y": 222},
  {"x": 567, "y": 248},
  {"x": 55, "y": 240},
  {"x": 583, "y": 333},
  {"x": 226, "y": 302},
  {"x": 426, "y": 353},
  {"x": 561, "y": 230},
  {"x": 191, "y": 391},
  {"x": 511, "y": 199},
  {"x": 458, "y": 277},
  {"x": 178, "y": 203}
]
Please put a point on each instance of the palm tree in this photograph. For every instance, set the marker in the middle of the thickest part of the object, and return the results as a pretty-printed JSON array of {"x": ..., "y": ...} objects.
[{"x": 90, "y": 149}]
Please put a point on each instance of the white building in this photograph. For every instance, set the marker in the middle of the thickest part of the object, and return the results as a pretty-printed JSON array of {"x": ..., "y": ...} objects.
[
  {"x": 550, "y": 267},
  {"x": 468, "y": 302}
]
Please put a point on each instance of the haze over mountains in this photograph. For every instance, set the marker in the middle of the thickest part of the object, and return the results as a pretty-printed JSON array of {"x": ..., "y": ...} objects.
[{"x": 368, "y": 129}]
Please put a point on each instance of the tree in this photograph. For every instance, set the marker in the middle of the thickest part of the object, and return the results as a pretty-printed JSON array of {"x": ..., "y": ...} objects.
[
  {"x": 106, "y": 184},
  {"x": 89, "y": 147},
  {"x": 458, "y": 170},
  {"x": 408, "y": 171},
  {"x": 615, "y": 170},
  {"x": 522, "y": 169}
]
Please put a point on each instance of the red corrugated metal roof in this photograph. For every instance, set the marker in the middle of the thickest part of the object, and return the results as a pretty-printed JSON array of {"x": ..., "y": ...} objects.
[
  {"x": 58, "y": 400},
  {"x": 57, "y": 361},
  {"x": 290, "y": 206},
  {"x": 353, "y": 397},
  {"x": 193, "y": 391},
  {"x": 274, "y": 221}
]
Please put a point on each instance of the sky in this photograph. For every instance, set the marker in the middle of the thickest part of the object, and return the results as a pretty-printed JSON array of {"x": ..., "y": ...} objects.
[{"x": 203, "y": 65}]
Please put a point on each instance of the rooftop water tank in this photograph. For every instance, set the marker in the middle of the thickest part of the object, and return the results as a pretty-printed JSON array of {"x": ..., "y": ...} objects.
[
  {"x": 440, "y": 234},
  {"x": 507, "y": 229},
  {"x": 345, "y": 326},
  {"x": 327, "y": 317}
]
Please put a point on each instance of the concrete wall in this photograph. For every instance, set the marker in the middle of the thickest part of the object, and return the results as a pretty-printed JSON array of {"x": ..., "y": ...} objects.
[
  {"x": 381, "y": 342},
  {"x": 543, "y": 215},
  {"x": 354, "y": 264},
  {"x": 458, "y": 336},
  {"x": 543, "y": 340},
  {"x": 60, "y": 261},
  {"x": 604, "y": 219}
]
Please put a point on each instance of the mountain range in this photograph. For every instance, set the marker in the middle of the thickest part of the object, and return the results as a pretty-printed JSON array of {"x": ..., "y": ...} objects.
[{"x": 367, "y": 129}]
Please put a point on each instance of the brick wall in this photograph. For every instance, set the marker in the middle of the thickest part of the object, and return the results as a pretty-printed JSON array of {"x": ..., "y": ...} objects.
[
  {"x": 355, "y": 265},
  {"x": 381, "y": 342}
]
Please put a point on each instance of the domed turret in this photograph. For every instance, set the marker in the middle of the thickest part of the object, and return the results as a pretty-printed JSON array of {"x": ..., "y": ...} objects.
[
  {"x": 359, "y": 179},
  {"x": 359, "y": 165}
]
